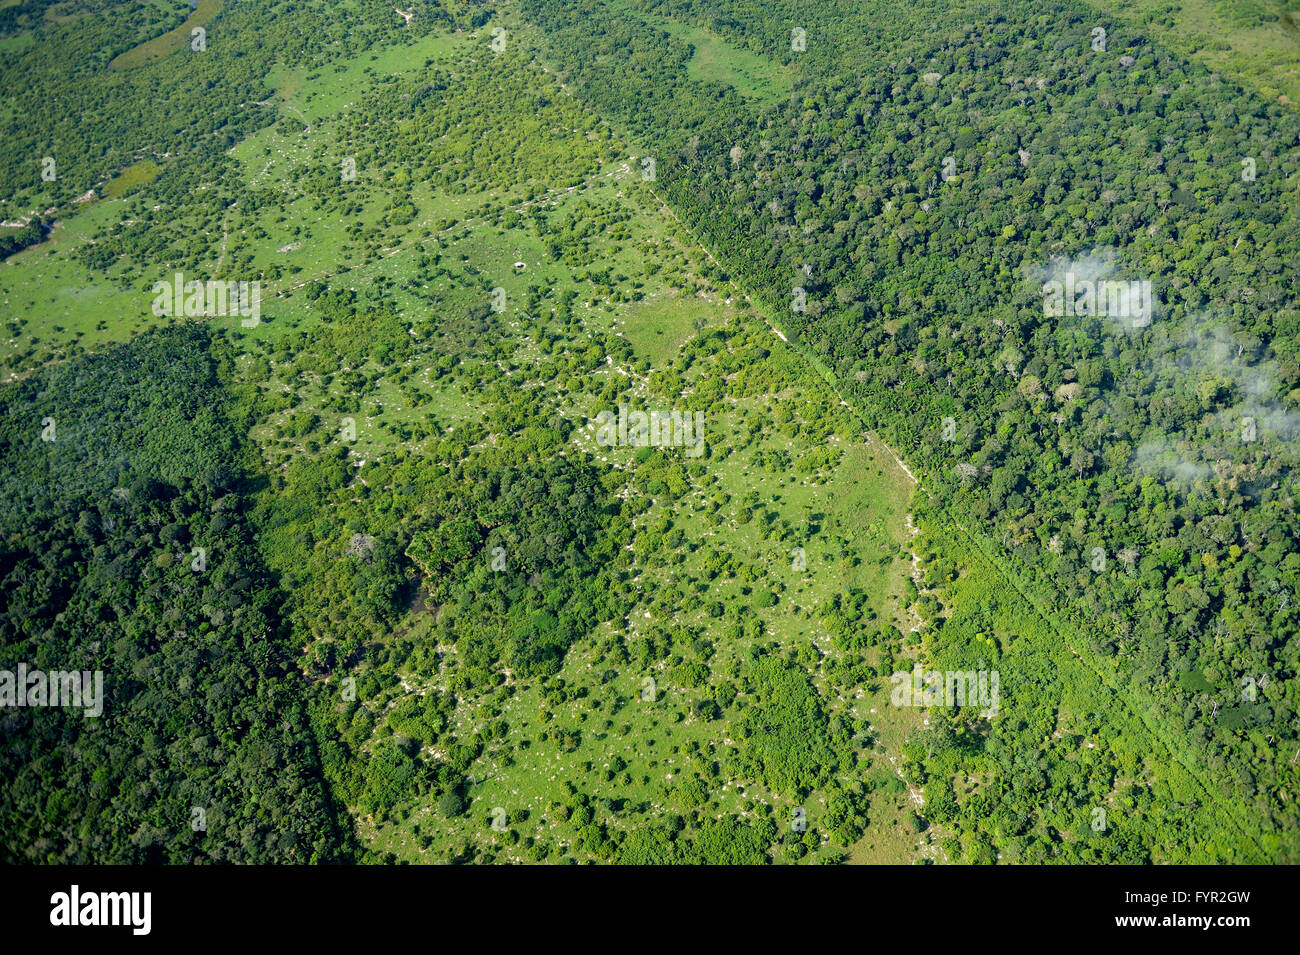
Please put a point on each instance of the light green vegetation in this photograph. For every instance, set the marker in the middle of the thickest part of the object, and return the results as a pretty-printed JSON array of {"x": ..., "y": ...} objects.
[
  {"x": 170, "y": 42},
  {"x": 51, "y": 299},
  {"x": 1255, "y": 42},
  {"x": 323, "y": 230},
  {"x": 712, "y": 554},
  {"x": 131, "y": 177},
  {"x": 658, "y": 327},
  {"x": 715, "y": 60},
  {"x": 12, "y": 44},
  {"x": 326, "y": 92}
]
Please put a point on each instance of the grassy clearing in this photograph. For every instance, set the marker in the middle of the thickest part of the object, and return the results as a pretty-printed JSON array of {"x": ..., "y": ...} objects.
[
  {"x": 325, "y": 93},
  {"x": 16, "y": 44},
  {"x": 658, "y": 327},
  {"x": 169, "y": 42},
  {"x": 717, "y": 61},
  {"x": 1257, "y": 42},
  {"x": 50, "y": 299},
  {"x": 131, "y": 177}
]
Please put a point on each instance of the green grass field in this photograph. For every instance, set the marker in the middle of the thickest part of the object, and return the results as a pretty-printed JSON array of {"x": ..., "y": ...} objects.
[
  {"x": 132, "y": 177},
  {"x": 170, "y": 42},
  {"x": 714, "y": 60},
  {"x": 1257, "y": 43}
]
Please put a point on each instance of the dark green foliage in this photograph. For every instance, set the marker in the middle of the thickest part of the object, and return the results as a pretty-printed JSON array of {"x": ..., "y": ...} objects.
[
  {"x": 202, "y": 707},
  {"x": 525, "y": 555},
  {"x": 29, "y": 234}
]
